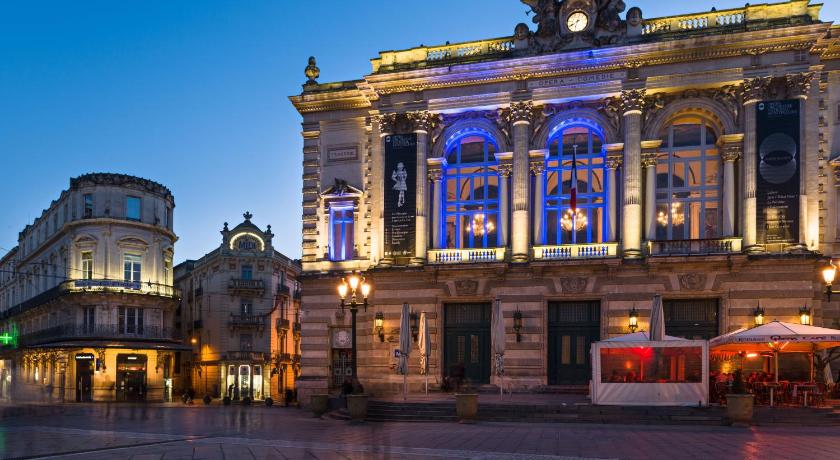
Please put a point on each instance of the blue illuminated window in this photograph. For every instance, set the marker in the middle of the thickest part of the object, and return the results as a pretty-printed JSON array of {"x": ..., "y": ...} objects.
[
  {"x": 341, "y": 232},
  {"x": 584, "y": 142},
  {"x": 471, "y": 203}
]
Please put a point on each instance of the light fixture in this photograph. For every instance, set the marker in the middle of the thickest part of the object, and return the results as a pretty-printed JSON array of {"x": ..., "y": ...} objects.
[
  {"x": 342, "y": 289},
  {"x": 481, "y": 225},
  {"x": 805, "y": 316},
  {"x": 751, "y": 355},
  {"x": 677, "y": 216},
  {"x": 634, "y": 320},
  {"x": 517, "y": 324},
  {"x": 829, "y": 272},
  {"x": 379, "y": 325},
  {"x": 573, "y": 219},
  {"x": 758, "y": 315},
  {"x": 193, "y": 340}
]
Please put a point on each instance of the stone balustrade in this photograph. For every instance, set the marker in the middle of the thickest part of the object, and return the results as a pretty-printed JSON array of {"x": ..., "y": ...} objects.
[
  {"x": 575, "y": 251},
  {"x": 695, "y": 247},
  {"x": 460, "y": 256}
]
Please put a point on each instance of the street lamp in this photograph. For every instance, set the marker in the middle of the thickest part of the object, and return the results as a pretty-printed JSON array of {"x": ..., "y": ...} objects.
[
  {"x": 758, "y": 315},
  {"x": 828, "y": 274},
  {"x": 634, "y": 320},
  {"x": 379, "y": 325},
  {"x": 354, "y": 285},
  {"x": 805, "y": 316}
]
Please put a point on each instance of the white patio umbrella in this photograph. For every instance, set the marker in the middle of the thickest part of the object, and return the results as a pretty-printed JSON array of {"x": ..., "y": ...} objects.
[
  {"x": 657, "y": 319},
  {"x": 498, "y": 337},
  {"x": 424, "y": 343},
  {"x": 405, "y": 346}
]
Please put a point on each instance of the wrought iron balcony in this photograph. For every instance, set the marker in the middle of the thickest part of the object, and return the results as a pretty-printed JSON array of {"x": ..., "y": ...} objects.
[
  {"x": 246, "y": 320},
  {"x": 284, "y": 358},
  {"x": 466, "y": 256},
  {"x": 283, "y": 289},
  {"x": 282, "y": 324},
  {"x": 76, "y": 332},
  {"x": 245, "y": 355},
  {"x": 252, "y": 287},
  {"x": 694, "y": 247},
  {"x": 576, "y": 251}
]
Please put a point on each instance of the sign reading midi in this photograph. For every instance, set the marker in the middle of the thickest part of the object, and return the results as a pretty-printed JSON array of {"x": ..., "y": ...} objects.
[
  {"x": 400, "y": 190},
  {"x": 777, "y": 181}
]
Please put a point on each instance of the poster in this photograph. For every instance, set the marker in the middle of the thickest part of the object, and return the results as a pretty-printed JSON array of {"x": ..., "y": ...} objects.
[
  {"x": 778, "y": 164},
  {"x": 400, "y": 194}
]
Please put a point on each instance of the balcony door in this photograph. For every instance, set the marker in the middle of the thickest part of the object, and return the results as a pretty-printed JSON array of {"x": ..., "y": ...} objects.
[
  {"x": 467, "y": 342},
  {"x": 572, "y": 327}
]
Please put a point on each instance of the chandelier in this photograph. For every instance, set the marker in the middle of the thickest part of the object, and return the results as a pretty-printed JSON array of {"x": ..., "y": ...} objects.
[
  {"x": 573, "y": 219},
  {"x": 480, "y": 225},
  {"x": 677, "y": 216}
]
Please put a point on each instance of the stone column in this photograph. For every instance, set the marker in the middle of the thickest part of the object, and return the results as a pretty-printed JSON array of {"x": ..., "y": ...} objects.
[
  {"x": 422, "y": 123},
  {"x": 754, "y": 90},
  {"x": 613, "y": 163},
  {"x": 436, "y": 166},
  {"x": 505, "y": 169},
  {"x": 649, "y": 152},
  {"x": 538, "y": 170},
  {"x": 731, "y": 146},
  {"x": 799, "y": 87},
  {"x": 520, "y": 118},
  {"x": 387, "y": 125},
  {"x": 631, "y": 108}
]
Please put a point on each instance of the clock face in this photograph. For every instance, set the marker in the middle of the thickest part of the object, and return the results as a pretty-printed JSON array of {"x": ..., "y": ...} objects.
[{"x": 577, "y": 21}]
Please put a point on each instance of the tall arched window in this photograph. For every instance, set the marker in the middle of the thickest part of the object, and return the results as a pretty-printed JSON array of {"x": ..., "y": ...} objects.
[
  {"x": 688, "y": 181},
  {"x": 583, "y": 143},
  {"x": 471, "y": 207}
]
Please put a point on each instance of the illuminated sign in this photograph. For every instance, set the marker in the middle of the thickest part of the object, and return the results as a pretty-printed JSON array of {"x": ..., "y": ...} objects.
[{"x": 239, "y": 236}]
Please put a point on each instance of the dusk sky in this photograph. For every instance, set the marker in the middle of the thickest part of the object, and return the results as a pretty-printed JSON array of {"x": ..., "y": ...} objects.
[{"x": 194, "y": 95}]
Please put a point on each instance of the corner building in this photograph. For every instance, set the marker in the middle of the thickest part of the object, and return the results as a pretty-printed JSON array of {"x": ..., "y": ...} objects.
[{"x": 572, "y": 171}]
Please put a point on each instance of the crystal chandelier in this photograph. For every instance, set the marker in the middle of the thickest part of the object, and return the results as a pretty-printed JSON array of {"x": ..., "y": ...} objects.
[
  {"x": 677, "y": 216},
  {"x": 573, "y": 219},
  {"x": 479, "y": 227}
]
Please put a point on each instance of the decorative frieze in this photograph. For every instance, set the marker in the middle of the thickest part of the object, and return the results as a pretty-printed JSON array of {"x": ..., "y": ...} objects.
[{"x": 726, "y": 96}]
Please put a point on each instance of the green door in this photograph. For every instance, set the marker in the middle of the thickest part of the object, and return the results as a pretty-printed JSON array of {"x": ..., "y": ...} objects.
[
  {"x": 467, "y": 342},
  {"x": 572, "y": 327}
]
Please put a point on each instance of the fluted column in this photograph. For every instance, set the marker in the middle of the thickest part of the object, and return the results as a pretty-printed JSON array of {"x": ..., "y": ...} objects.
[
  {"x": 731, "y": 146},
  {"x": 538, "y": 170},
  {"x": 387, "y": 123},
  {"x": 436, "y": 166},
  {"x": 520, "y": 115},
  {"x": 422, "y": 123},
  {"x": 799, "y": 85},
  {"x": 754, "y": 90},
  {"x": 613, "y": 163},
  {"x": 505, "y": 169},
  {"x": 631, "y": 108},
  {"x": 649, "y": 151}
]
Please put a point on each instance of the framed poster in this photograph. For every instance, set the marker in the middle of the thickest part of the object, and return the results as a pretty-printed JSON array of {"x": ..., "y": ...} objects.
[
  {"x": 400, "y": 194},
  {"x": 778, "y": 164}
]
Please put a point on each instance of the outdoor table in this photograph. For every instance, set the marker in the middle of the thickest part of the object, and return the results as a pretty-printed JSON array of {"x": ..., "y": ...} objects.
[
  {"x": 805, "y": 388},
  {"x": 772, "y": 386}
]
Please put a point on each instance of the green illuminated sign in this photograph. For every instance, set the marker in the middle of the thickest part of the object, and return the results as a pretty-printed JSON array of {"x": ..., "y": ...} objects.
[{"x": 9, "y": 337}]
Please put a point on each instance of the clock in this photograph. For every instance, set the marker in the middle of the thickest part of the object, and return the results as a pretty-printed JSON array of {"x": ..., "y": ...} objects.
[
  {"x": 577, "y": 21},
  {"x": 342, "y": 339}
]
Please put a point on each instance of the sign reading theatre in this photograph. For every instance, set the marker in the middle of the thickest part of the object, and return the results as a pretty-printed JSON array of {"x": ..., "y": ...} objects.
[
  {"x": 400, "y": 186},
  {"x": 777, "y": 181}
]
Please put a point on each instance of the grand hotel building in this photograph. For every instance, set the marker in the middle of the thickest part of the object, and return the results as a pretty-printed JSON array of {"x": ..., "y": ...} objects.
[{"x": 572, "y": 171}]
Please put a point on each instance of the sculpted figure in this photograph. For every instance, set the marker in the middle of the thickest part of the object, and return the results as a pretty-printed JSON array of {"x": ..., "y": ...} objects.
[{"x": 545, "y": 16}]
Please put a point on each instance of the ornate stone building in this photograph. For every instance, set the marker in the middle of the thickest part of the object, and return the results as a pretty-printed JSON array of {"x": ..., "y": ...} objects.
[
  {"x": 87, "y": 305},
  {"x": 241, "y": 312},
  {"x": 572, "y": 172}
]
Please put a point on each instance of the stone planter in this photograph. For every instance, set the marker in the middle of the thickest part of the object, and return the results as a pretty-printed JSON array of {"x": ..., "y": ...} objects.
[
  {"x": 319, "y": 404},
  {"x": 466, "y": 407},
  {"x": 739, "y": 408},
  {"x": 357, "y": 405}
]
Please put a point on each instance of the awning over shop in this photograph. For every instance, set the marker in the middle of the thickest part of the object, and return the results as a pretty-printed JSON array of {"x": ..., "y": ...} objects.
[
  {"x": 778, "y": 336},
  {"x": 128, "y": 344}
]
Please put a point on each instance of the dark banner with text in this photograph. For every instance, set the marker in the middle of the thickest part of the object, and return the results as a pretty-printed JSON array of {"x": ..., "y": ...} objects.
[
  {"x": 777, "y": 181},
  {"x": 400, "y": 194}
]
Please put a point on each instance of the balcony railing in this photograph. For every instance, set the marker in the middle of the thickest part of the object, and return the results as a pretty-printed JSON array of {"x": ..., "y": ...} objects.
[
  {"x": 462, "y": 256},
  {"x": 249, "y": 286},
  {"x": 247, "y": 320},
  {"x": 284, "y": 358},
  {"x": 694, "y": 247},
  {"x": 99, "y": 331},
  {"x": 687, "y": 22},
  {"x": 245, "y": 355},
  {"x": 94, "y": 285},
  {"x": 283, "y": 289},
  {"x": 576, "y": 251},
  {"x": 282, "y": 324}
]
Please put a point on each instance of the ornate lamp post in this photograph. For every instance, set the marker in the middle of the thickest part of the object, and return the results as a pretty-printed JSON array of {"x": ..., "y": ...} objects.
[{"x": 356, "y": 286}]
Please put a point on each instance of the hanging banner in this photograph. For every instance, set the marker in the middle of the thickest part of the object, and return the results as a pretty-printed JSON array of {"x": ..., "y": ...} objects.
[
  {"x": 400, "y": 190},
  {"x": 778, "y": 180}
]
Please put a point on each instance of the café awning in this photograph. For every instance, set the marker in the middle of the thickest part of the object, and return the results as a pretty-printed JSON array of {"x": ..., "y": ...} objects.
[{"x": 778, "y": 336}]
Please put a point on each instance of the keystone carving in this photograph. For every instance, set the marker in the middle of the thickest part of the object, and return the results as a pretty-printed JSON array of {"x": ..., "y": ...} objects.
[
  {"x": 466, "y": 287},
  {"x": 692, "y": 281},
  {"x": 573, "y": 285}
]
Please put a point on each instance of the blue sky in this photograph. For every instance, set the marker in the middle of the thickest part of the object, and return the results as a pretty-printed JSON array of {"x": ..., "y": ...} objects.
[{"x": 194, "y": 94}]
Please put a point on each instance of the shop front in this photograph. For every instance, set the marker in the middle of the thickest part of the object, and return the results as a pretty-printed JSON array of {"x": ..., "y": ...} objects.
[
  {"x": 131, "y": 378},
  {"x": 245, "y": 380}
]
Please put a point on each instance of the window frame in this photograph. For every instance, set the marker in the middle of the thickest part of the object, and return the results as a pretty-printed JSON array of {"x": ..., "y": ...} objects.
[
  {"x": 128, "y": 208},
  {"x": 88, "y": 206},
  {"x": 136, "y": 270},
  {"x": 87, "y": 265},
  {"x": 343, "y": 241}
]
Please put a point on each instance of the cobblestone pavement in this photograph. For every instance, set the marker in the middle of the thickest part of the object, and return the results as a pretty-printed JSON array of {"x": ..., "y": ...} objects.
[{"x": 153, "y": 432}]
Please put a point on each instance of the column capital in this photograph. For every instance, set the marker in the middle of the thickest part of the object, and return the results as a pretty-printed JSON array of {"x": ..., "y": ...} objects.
[
  {"x": 755, "y": 89},
  {"x": 835, "y": 167},
  {"x": 387, "y": 123},
  {"x": 614, "y": 161},
  {"x": 435, "y": 175},
  {"x": 731, "y": 147},
  {"x": 649, "y": 151},
  {"x": 799, "y": 84},
  {"x": 537, "y": 167},
  {"x": 519, "y": 112},
  {"x": 422, "y": 121},
  {"x": 505, "y": 169},
  {"x": 648, "y": 159},
  {"x": 632, "y": 101}
]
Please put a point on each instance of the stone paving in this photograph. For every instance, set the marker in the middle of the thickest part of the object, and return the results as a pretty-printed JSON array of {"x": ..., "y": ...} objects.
[{"x": 110, "y": 431}]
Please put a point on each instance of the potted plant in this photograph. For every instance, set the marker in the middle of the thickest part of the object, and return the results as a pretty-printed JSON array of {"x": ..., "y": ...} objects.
[
  {"x": 357, "y": 403},
  {"x": 739, "y": 403},
  {"x": 319, "y": 404},
  {"x": 466, "y": 403}
]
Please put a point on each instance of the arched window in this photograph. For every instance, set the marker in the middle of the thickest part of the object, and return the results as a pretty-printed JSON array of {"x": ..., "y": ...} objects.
[
  {"x": 583, "y": 143},
  {"x": 471, "y": 207},
  {"x": 688, "y": 181}
]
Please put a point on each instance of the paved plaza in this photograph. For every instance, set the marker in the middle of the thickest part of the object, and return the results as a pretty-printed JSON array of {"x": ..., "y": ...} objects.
[{"x": 156, "y": 432}]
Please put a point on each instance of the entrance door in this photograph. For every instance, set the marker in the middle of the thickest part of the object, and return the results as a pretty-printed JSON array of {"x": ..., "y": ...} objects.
[
  {"x": 84, "y": 377},
  {"x": 572, "y": 327},
  {"x": 342, "y": 366},
  {"x": 466, "y": 343},
  {"x": 131, "y": 378},
  {"x": 691, "y": 319},
  {"x": 245, "y": 381}
]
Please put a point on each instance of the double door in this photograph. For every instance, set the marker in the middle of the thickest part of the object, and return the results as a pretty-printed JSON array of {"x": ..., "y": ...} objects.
[
  {"x": 131, "y": 378},
  {"x": 84, "y": 377},
  {"x": 572, "y": 327},
  {"x": 467, "y": 342}
]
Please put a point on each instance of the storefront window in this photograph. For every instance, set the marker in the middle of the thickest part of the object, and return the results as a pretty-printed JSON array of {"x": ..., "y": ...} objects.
[{"x": 652, "y": 365}]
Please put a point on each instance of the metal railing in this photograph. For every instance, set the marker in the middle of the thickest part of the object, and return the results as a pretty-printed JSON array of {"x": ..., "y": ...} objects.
[
  {"x": 246, "y": 320},
  {"x": 695, "y": 247},
  {"x": 460, "y": 256},
  {"x": 245, "y": 355},
  {"x": 576, "y": 251},
  {"x": 97, "y": 331},
  {"x": 238, "y": 284},
  {"x": 282, "y": 323}
]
